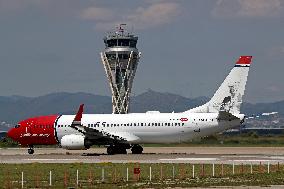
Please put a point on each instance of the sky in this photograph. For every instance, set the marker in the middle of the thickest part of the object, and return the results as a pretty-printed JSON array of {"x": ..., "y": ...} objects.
[{"x": 188, "y": 46}]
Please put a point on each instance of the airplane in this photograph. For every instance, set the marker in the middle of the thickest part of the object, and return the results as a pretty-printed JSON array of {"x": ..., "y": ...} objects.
[{"x": 119, "y": 132}]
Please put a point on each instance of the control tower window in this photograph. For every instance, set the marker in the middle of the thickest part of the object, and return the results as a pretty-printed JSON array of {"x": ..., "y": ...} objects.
[
  {"x": 111, "y": 56},
  {"x": 123, "y": 56},
  {"x": 123, "y": 42},
  {"x": 111, "y": 42},
  {"x": 133, "y": 43}
]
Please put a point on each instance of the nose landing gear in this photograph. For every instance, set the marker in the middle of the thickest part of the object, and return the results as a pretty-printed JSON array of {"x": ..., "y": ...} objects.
[{"x": 31, "y": 149}]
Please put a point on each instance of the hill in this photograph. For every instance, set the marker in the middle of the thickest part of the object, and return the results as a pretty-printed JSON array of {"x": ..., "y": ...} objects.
[{"x": 15, "y": 108}]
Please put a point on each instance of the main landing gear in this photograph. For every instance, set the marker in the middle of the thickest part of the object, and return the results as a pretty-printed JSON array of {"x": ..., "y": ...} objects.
[
  {"x": 121, "y": 149},
  {"x": 136, "y": 149},
  {"x": 117, "y": 149},
  {"x": 31, "y": 149}
]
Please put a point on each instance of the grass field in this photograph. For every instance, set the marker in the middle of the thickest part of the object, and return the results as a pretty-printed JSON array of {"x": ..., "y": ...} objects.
[{"x": 109, "y": 175}]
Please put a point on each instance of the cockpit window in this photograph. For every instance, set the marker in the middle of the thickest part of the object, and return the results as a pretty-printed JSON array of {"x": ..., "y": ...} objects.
[{"x": 17, "y": 126}]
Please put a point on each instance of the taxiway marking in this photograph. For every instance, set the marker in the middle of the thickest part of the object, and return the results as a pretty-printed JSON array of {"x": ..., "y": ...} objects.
[
  {"x": 53, "y": 159},
  {"x": 191, "y": 159}
]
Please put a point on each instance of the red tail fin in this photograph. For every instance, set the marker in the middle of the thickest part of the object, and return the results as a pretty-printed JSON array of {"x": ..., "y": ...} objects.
[{"x": 244, "y": 60}]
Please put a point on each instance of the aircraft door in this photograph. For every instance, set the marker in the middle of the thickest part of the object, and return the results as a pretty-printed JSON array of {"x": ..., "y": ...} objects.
[
  {"x": 196, "y": 126},
  {"x": 28, "y": 129}
]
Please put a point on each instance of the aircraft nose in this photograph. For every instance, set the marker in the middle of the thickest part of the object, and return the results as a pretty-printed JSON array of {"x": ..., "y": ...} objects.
[{"x": 10, "y": 134}]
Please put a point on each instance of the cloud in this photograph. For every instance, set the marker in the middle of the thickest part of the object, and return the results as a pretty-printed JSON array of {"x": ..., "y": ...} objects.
[
  {"x": 154, "y": 14},
  {"x": 97, "y": 13},
  {"x": 16, "y": 5},
  {"x": 247, "y": 8},
  {"x": 50, "y": 8},
  {"x": 147, "y": 14}
]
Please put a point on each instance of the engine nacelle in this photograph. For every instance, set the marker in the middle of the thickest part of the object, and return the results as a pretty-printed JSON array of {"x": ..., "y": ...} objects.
[{"x": 74, "y": 142}]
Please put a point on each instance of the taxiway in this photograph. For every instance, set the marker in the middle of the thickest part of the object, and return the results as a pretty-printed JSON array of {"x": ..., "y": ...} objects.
[{"x": 226, "y": 155}]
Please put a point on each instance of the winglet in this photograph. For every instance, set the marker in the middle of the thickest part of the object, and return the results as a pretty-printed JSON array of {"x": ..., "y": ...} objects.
[
  {"x": 78, "y": 116},
  {"x": 77, "y": 120}
]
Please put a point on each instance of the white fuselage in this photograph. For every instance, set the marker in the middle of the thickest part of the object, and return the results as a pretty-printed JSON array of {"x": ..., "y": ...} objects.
[{"x": 150, "y": 127}]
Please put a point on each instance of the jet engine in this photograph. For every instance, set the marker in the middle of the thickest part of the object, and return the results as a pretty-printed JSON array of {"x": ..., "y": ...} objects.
[{"x": 74, "y": 142}]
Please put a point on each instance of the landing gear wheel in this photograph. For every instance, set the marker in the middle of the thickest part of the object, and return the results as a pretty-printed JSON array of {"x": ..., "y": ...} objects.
[
  {"x": 117, "y": 149},
  {"x": 110, "y": 150},
  {"x": 121, "y": 151},
  {"x": 31, "y": 151},
  {"x": 137, "y": 149}
]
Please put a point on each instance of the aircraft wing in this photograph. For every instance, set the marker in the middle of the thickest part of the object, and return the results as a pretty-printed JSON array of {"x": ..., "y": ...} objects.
[
  {"x": 226, "y": 116},
  {"x": 100, "y": 136}
]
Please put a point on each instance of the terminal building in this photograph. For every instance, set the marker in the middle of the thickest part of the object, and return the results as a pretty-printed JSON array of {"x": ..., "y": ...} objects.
[{"x": 120, "y": 59}]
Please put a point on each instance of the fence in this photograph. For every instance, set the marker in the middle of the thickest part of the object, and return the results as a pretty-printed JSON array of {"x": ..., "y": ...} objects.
[{"x": 89, "y": 175}]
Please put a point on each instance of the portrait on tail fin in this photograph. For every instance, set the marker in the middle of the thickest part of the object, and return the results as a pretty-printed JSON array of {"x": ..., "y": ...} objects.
[{"x": 225, "y": 106}]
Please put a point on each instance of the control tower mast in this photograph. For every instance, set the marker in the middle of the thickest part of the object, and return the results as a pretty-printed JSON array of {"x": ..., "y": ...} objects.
[{"x": 120, "y": 59}]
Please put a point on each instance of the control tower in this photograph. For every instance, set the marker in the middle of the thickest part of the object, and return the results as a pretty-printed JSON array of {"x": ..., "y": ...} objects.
[{"x": 120, "y": 59}]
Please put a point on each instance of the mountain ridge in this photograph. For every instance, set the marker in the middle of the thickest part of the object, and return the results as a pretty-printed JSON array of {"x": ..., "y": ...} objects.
[{"x": 15, "y": 108}]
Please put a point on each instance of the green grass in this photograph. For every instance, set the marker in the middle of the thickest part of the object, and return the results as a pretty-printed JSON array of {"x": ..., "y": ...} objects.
[
  {"x": 90, "y": 175},
  {"x": 7, "y": 142}
]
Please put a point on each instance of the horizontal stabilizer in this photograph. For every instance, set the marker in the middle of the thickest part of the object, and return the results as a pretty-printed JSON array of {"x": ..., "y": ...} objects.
[{"x": 226, "y": 116}]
